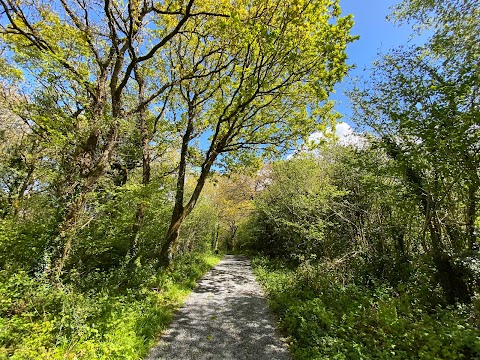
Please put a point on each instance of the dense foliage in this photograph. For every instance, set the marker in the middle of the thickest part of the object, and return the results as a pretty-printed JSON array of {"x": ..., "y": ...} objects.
[
  {"x": 131, "y": 138},
  {"x": 372, "y": 249},
  {"x": 116, "y": 118},
  {"x": 101, "y": 315},
  {"x": 327, "y": 318},
  {"x": 346, "y": 270}
]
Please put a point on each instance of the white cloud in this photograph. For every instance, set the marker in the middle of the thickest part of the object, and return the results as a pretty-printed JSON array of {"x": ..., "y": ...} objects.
[
  {"x": 316, "y": 137},
  {"x": 344, "y": 134},
  {"x": 343, "y": 130}
]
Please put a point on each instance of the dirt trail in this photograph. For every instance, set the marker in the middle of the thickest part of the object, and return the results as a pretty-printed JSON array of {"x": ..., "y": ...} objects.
[{"x": 225, "y": 317}]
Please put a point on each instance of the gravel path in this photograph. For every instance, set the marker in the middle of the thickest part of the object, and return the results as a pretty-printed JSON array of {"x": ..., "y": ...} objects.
[{"x": 225, "y": 317}]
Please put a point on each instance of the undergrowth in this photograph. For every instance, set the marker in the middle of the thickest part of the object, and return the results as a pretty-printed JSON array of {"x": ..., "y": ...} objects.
[
  {"x": 326, "y": 318},
  {"x": 103, "y": 315}
]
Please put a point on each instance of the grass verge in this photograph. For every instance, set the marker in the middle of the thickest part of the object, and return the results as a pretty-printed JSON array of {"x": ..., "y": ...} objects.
[{"x": 104, "y": 315}]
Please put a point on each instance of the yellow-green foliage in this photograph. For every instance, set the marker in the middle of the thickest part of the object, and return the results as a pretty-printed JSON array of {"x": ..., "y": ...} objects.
[{"x": 106, "y": 321}]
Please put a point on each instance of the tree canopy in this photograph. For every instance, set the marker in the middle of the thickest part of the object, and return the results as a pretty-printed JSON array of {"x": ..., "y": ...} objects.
[{"x": 140, "y": 139}]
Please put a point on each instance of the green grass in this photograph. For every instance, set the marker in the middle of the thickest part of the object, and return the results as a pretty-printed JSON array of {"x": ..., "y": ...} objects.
[
  {"x": 327, "y": 319},
  {"x": 114, "y": 315}
]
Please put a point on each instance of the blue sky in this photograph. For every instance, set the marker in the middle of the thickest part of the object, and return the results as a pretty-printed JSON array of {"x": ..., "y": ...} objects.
[{"x": 377, "y": 36}]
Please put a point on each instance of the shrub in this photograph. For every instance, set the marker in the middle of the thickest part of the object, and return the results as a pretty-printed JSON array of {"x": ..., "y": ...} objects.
[{"x": 328, "y": 318}]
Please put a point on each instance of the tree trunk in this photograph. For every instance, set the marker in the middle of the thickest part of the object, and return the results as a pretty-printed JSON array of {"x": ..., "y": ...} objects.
[
  {"x": 146, "y": 169},
  {"x": 215, "y": 235},
  {"x": 171, "y": 240},
  {"x": 231, "y": 241},
  {"x": 69, "y": 224},
  {"x": 471, "y": 212},
  {"x": 399, "y": 237},
  {"x": 66, "y": 235},
  {"x": 23, "y": 188},
  {"x": 134, "y": 240},
  {"x": 180, "y": 212},
  {"x": 452, "y": 279},
  {"x": 449, "y": 276}
]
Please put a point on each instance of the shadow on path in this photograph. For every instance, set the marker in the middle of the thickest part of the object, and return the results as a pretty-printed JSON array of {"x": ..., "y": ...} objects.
[{"x": 225, "y": 317}]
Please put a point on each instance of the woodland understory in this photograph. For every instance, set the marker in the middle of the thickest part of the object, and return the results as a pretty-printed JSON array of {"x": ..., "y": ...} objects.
[{"x": 141, "y": 140}]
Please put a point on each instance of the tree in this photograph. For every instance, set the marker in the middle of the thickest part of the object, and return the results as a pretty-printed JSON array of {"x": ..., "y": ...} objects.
[
  {"x": 81, "y": 58},
  {"x": 453, "y": 24},
  {"x": 264, "y": 75},
  {"x": 423, "y": 103}
]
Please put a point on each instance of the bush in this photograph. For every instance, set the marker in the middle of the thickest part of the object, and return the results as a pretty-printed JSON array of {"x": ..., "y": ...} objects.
[
  {"x": 328, "y": 318},
  {"x": 292, "y": 213}
]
